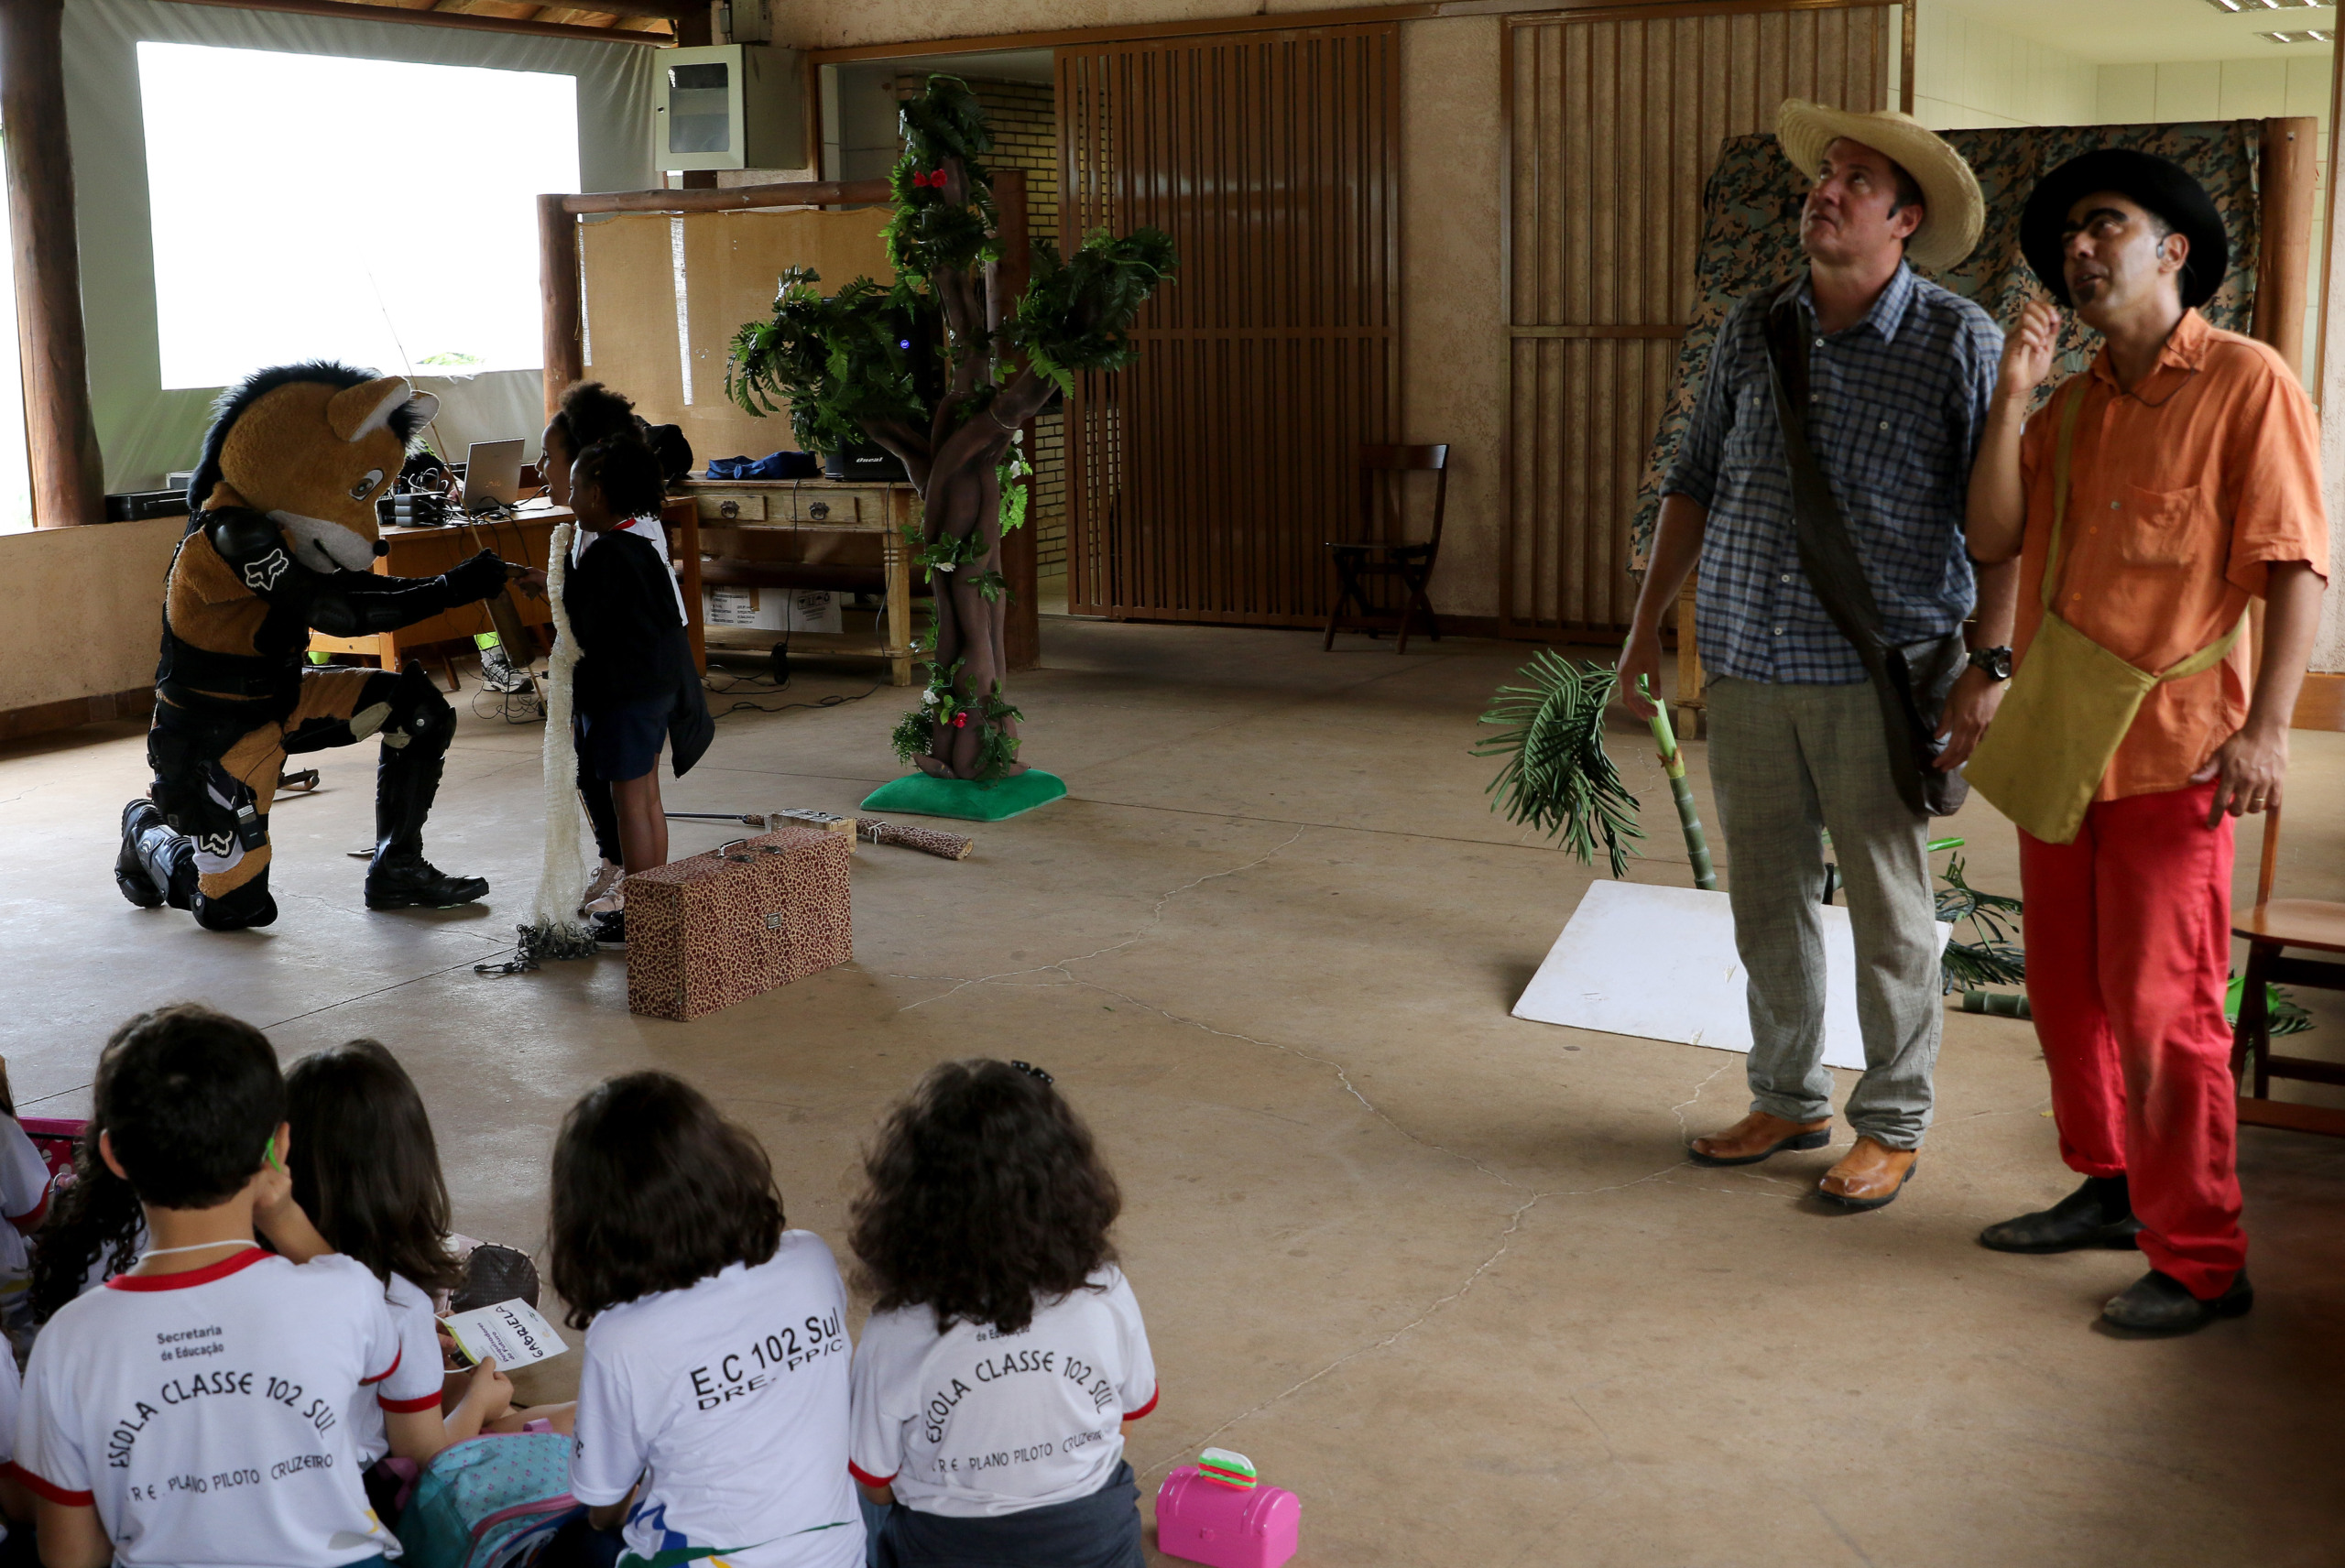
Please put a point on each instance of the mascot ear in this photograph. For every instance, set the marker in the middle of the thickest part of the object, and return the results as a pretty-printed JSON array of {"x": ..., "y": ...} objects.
[{"x": 359, "y": 411}]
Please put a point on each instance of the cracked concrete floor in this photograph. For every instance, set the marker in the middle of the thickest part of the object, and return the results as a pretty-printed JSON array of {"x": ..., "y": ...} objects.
[{"x": 1442, "y": 1273}]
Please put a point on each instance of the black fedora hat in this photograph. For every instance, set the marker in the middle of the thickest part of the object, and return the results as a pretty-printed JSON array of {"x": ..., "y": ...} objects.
[{"x": 2156, "y": 185}]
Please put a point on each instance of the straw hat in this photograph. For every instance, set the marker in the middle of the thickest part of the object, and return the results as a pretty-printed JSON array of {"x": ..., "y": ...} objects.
[{"x": 1955, "y": 212}]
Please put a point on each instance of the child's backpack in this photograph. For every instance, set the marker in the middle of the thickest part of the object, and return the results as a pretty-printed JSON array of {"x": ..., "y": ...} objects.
[{"x": 488, "y": 1503}]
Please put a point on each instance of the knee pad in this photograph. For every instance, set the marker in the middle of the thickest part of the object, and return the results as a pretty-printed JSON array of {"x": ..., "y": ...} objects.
[{"x": 421, "y": 722}]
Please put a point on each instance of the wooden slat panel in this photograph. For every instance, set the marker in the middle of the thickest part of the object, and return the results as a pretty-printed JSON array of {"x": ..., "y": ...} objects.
[
  {"x": 1204, "y": 480},
  {"x": 1613, "y": 126}
]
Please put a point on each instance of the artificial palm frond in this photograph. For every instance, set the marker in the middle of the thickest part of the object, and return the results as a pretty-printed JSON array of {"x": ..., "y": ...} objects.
[
  {"x": 1992, "y": 957},
  {"x": 1557, "y": 777}
]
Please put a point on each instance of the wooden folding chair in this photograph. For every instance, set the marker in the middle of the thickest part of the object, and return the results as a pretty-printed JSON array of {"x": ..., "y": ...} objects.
[
  {"x": 1383, "y": 553},
  {"x": 2271, "y": 928}
]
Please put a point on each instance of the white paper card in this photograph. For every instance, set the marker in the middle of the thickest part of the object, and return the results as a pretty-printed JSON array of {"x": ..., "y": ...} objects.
[
  {"x": 513, "y": 1332},
  {"x": 1659, "y": 963}
]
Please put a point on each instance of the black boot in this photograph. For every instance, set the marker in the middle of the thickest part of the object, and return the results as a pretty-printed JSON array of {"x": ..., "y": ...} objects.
[
  {"x": 406, "y": 782},
  {"x": 2158, "y": 1304},
  {"x": 2098, "y": 1213},
  {"x": 155, "y": 865}
]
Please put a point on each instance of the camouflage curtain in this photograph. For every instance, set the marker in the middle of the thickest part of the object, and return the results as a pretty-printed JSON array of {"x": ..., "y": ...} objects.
[{"x": 1751, "y": 239}]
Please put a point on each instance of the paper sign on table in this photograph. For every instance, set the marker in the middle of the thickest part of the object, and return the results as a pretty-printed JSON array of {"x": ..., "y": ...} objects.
[{"x": 513, "y": 1332}]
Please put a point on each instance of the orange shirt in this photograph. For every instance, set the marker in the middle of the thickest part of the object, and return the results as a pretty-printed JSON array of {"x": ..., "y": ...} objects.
[{"x": 2181, "y": 492}]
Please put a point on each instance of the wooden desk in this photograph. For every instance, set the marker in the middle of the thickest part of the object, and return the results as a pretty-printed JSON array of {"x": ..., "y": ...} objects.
[
  {"x": 820, "y": 507},
  {"x": 427, "y": 553}
]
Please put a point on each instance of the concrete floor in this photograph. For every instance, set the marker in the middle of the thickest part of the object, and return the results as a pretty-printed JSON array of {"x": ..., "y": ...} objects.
[{"x": 1444, "y": 1274}]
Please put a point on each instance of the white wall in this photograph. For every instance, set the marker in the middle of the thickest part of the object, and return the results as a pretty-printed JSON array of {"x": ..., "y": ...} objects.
[{"x": 1968, "y": 72}]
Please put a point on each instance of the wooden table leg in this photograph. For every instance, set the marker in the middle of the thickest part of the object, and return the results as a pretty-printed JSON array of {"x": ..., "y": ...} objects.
[
  {"x": 1693, "y": 711},
  {"x": 683, "y": 518},
  {"x": 897, "y": 561}
]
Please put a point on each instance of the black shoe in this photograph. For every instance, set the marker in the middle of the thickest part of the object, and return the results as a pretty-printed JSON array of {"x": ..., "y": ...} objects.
[
  {"x": 2159, "y": 1304},
  {"x": 610, "y": 928},
  {"x": 2079, "y": 1221},
  {"x": 414, "y": 883},
  {"x": 129, "y": 868}
]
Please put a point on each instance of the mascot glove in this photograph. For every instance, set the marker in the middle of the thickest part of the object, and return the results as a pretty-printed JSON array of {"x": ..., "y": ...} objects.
[{"x": 479, "y": 578}]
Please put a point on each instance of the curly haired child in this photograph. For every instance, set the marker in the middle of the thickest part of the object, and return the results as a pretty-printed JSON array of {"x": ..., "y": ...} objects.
[{"x": 1005, "y": 1349}]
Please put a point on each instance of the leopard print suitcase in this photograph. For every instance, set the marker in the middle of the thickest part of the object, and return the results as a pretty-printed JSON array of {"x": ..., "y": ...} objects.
[{"x": 717, "y": 929}]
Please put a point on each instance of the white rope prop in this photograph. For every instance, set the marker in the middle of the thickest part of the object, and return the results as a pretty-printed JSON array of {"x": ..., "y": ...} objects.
[{"x": 556, "y": 929}]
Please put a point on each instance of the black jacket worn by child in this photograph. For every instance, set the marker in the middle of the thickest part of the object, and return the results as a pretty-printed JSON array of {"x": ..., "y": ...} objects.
[{"x": 622, "y": 603}]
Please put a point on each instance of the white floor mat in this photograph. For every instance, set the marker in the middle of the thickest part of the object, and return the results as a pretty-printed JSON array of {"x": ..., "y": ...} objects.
[{"x": 1659, "y": 963}]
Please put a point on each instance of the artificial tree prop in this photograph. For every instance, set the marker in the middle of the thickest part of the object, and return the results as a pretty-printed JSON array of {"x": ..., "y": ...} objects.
[
  {"x": 1557, "y": 776},
  {"x": 942, "y": 371}
]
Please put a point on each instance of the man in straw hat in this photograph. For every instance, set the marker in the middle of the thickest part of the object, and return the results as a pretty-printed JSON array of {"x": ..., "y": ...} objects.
[
  {"x": 2192, "y": 467},
  {"x": 1897, "y": 373}
]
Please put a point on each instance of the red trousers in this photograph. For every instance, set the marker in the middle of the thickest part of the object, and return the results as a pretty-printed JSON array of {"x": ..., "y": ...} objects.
[{"x": 2128, "y": 932}]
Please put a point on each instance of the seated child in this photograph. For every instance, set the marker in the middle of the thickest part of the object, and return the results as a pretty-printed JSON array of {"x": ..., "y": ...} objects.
[
  {"x": 200, "y": 1400},
  {"x": 1005, "y": 1350},
  {"x": 24, "y": 1203},
  {"x": 93, "y": 1230},
  {"x": 366, "y": 1170},
  {"x": 635, "y": 684},
  {"x": 712, "y": 1394}
]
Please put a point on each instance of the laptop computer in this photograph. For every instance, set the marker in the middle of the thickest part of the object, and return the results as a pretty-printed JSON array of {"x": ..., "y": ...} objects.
[{"x": 492, "y": 474}]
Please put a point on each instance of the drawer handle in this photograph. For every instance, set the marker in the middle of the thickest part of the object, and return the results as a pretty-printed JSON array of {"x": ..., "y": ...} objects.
[
  {"x": 819, "y": 510},
  {"x": 729, "y": 510}
]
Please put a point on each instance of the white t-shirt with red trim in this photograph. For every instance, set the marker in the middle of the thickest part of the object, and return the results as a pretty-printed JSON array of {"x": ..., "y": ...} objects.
[
  {"x": 413, "y": 1385},
  {"x": 11, "y": 1393},
  {"x": 208, "y": 1412},
  {"x": 974, "y": 1422},
  {"x": 25, "y": 1183},
  {"x": 728, "y": 1398}
]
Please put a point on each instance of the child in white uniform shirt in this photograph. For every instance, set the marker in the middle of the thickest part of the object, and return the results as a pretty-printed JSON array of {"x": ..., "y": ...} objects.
[
  {"x": 24, "y": 1200},
  {"x": 712, "y": 1394},
  {"x": 203, "y": 1399},
  {"x": 94, "y": 1231},
  {"x": 366, "y": 1169},
  {"x": 1005, "y": 1349}
]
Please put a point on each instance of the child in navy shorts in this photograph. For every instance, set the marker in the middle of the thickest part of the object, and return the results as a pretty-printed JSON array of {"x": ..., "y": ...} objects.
[{"x": 636, "y": 684}]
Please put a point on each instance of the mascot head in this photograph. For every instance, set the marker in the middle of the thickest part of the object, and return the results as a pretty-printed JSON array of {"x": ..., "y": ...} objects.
[{"x": 311, "y": 445}]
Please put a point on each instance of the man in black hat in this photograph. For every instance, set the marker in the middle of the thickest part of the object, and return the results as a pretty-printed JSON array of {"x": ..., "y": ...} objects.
[{"x": 2177, "y": 479}]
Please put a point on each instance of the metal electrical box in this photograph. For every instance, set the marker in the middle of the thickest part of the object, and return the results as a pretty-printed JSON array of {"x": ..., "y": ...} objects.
[{"x": 729, "y": 107}]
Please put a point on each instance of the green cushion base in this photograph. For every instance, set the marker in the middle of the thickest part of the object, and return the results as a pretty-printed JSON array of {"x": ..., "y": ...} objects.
[{"x": 918, "y": 795}]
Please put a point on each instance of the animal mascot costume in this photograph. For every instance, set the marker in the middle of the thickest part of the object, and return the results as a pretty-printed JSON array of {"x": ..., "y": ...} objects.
[{"x": 280, "y": 544}]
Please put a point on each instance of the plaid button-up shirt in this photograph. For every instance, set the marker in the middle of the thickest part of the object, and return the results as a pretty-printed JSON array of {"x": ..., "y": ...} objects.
[{"x": 1896, "y": 405}]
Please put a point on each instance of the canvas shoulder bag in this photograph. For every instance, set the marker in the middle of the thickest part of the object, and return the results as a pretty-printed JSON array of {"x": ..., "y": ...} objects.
[
  {"x": 1912, "y": 681},
  {"x": 2071, "y": 700}
]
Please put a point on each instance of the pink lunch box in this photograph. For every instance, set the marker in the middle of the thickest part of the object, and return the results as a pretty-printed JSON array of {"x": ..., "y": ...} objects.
[{"x": 1205, "y": 1521}]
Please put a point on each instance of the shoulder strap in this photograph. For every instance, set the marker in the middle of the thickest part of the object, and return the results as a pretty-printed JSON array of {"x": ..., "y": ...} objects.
[
  {"x": 2060, "y": 455},
  {"x": 1826, "y": 553}
]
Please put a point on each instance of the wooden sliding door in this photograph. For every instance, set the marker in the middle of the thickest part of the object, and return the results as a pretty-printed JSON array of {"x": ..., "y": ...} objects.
[
  {"x": 1612, "y": 127},
  {"x": 1204, "y": 480}
]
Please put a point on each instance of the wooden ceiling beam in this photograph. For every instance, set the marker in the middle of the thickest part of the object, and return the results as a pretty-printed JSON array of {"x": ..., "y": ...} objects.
[{"x": 393, "y": 13}]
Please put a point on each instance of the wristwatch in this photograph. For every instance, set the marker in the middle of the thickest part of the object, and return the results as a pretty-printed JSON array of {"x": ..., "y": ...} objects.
[{"x": 1995, "y": 661}]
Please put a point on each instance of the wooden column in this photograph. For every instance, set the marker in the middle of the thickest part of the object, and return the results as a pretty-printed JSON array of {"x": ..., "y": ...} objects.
[
  {"x": 1021, "y": 633},
  {"x": 60, "y": 437},
  {"x": 557, "y": 288},
  {"x": 2286, "y": 180}
]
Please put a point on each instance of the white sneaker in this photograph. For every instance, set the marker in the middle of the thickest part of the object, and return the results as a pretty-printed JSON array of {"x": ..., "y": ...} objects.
[{"x": 603, "y": 894}]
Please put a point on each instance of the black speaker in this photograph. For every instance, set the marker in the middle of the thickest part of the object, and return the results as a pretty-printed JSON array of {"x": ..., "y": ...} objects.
[{"x": 869, "y": 463}]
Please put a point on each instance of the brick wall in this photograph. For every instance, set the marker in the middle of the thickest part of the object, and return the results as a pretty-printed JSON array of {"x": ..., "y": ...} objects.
[{"x": 1024, "y": 119}]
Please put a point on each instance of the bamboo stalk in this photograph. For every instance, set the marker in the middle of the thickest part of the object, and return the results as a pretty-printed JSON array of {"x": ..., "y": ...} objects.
[{"x": 1681, "y": 789}]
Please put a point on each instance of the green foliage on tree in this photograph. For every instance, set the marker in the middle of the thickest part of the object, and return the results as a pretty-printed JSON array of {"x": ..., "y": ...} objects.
[{"x": 938, "y": 370}]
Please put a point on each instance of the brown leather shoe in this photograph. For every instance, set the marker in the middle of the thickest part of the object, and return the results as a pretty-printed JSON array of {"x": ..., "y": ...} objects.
[
  {"x": 1758, "y": 1137},
  {"x": 1870, "y": 1176}
]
